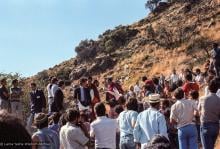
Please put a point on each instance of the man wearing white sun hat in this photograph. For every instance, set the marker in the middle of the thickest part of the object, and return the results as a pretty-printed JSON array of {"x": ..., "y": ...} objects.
[{"x": 150, "y": 122}]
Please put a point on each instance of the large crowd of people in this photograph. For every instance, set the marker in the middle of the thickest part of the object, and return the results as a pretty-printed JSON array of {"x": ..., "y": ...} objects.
[{"x": 181, "y": 110}]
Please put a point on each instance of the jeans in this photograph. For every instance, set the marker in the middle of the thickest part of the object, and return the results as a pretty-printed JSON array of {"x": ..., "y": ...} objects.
[
  {"x": 187, "y": 136},
  {"x": 209, "y": 133},
  {"x": 127, "y": 142}
]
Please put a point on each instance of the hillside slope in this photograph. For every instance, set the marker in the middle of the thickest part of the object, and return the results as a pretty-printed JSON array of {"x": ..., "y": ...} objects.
[{"x": 178, "y": 36}]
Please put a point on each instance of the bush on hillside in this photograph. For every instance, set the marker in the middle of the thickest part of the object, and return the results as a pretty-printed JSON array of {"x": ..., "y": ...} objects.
[
  {"x": 43, "y": 75},
  {"x": 117, "y": 38},
  {"x": 63, "y": 74},
  {"x": 199, "y": 43},
  {"x": 87, "y": 49},
  {"x": 152, "y": 4}
]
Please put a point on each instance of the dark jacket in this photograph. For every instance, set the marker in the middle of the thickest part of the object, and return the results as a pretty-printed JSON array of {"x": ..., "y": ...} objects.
[
  {"x": 57, "y": 104},
  {"x": 87, "y": 100},
  {"x": 38, "y": 101}
]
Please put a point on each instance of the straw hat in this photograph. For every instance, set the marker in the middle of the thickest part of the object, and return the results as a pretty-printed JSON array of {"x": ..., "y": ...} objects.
[{"x": 154, "y": 98}]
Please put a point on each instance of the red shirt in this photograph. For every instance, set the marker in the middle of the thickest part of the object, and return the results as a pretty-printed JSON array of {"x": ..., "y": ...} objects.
[{"x": 189, "y": 86}]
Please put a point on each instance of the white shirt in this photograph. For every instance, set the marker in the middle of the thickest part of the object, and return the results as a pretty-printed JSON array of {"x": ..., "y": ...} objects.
[
  {"x": 183, "y": 112},
  {"x": 104, "y": 129},
  {"x": 137, "y": 89},
  {"x": 199, "y": 78},
  {"x": 49, "y": 90},
  {"x": 72, "y": 137},
  {"x": 54, "y": 88},
  {"x": 206, "y": 91},
  {"x": 174, "y": 78}
]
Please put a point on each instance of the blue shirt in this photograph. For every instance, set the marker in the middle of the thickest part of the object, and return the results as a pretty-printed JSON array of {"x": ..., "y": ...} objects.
[
  {"x": 55, "y": 127},
  {"x": 149, "y": 123},
  {"x": 48, "y": 138},
  {"x": 125, "y": 119}
]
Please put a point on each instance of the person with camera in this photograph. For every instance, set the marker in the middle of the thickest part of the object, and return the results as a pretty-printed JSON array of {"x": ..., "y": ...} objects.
[{"x": 73, "y": 135}]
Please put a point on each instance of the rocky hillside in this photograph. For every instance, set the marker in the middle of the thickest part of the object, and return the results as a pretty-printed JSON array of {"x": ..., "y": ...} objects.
[{"x": 177, "y": 35}]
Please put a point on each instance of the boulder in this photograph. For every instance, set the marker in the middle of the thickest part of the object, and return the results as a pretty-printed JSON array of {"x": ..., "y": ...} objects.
[{"x": 78, "y": 73}]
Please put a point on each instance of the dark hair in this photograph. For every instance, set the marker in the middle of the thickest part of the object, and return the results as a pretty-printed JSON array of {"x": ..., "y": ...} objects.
[
  {"x": 132, "y": 104},
  {"x": 14, "y": 81},
  {"x": 100, "y": 109},
  {"x": 82, "y": 80},
  {"x": 90, "y": 78},
  {"x": 63, "y": 120},
  {"x": 109, "y": 79},
  {"x": 60, "y": 83},
  {"x": 215, "y": 45},
  {"x": 148, "y": 87},
  {"x": 155, "y": 80},
  {"x": 12, "y": 131},
  {"x": 56, "y": 117},
  {"x": 179, "y": 83},
  {"x": 198, "y": 70},
  {"x": 112, "y": 103},
  {"x": 144, "y": 78},
  {"x": 213, "y": 86},
  {"x": 119, "y": 109},
  {"x": 155, "y": 105},
  {"x": 165, "y": 102},
  {"x": 179, "y": 93},
  {"x": 72, "y": 114},
  {"x": 54, "y": 80},
  {"x": 194, "y": 94},
  {"x": 95, "y": 81},
  {"x": 42, "y": 125},
  {"x": 121, "y": 100},
  {"x": 33, "y": 84},
  {"x": 158, "y": 142},
  {"x": 3, "y": 80},
  {"x": 188, "y": 77}
]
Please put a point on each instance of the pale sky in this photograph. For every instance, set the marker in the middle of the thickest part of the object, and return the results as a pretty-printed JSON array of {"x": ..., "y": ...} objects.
[{"x": 38, "y": 34}]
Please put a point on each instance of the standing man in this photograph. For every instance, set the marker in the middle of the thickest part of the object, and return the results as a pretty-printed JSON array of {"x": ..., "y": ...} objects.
[
  {"x": 82, "y": 95},
  {"x": 37, "y": 103},
  {"x": 149, "y": 123},
  {"x": 57, "y": 104},
  {"x": 209, "y": 107},
  {"x": 174, "y": 77},
  {"x": 182, "y": 114},
  {"x": 4, "y": 95},
  {"x": 103, "y": 129},
  {"x": 216, "y": 58},
  {"x": 49, "y": 93},
  {"x": 73, "y": 134},
  {"x": 54, "y": 88},
  {"x": 16, "y": 103}
]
